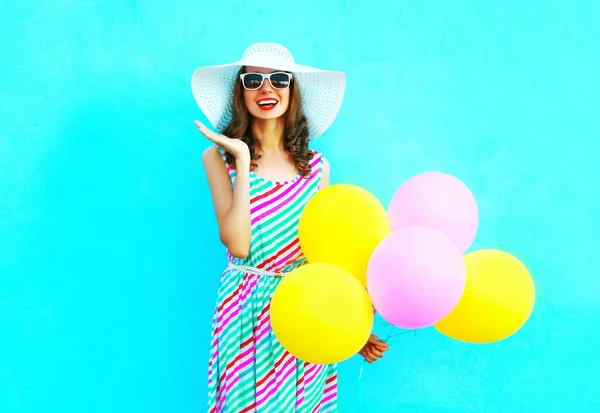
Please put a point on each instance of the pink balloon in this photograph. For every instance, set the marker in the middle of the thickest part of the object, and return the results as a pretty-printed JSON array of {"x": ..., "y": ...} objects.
[
  {"x": 440, "y": 201},
  {"x": 415, "y": 277}
]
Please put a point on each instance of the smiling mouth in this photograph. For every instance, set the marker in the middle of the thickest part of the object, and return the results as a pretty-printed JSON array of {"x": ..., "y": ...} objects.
[{"x": 267, "y": 104}]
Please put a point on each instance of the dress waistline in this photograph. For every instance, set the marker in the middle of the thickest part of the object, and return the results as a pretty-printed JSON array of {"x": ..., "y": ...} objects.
[{"x": 253, "y": 270}]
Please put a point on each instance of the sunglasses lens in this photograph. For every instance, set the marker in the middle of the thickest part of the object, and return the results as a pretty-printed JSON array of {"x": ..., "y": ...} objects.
[
  {"x": 252, "y": 81},
  {"x": 280, "y": 80}
]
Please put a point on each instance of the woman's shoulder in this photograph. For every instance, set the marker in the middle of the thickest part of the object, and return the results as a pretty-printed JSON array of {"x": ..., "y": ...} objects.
[
  {"x": 211, "y": 155},
  {"x": 320, "y": 164},
  {"x": 320, "y": 168},
  {"x": 214, "y": 157},
  {"x": 318, "y": 159},
  {"x": 317, "y": 155}
]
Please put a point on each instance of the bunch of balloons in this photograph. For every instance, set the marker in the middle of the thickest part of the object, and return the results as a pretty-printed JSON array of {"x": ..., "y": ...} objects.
[{"x": 408, "y": 262}]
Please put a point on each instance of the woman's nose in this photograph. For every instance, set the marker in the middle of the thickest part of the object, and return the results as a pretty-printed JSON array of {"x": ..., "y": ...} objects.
[{"x": 266, "y": 86}]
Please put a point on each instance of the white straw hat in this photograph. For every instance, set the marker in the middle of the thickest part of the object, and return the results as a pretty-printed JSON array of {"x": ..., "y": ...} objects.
[{"x": 322, "y": 91}]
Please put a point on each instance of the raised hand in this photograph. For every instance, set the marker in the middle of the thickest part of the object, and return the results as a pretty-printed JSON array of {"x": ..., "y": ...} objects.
[{"x": 236, "y": 147}]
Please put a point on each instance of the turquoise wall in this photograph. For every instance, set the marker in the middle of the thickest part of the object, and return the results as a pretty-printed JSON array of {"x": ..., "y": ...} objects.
[{"x": 109, "y": 254}]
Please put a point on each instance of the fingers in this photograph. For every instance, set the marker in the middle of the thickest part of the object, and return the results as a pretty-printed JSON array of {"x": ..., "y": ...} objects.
[
  {"x": 377, "y": 353},
  {"x": 373, "y": 350},
  {"x": 381, "y": 346},
  {"x": 369, "y": 356},
  {"x": 375, "y": 341},
  {"x": 363, "y": 353},
  {"x": 201, "y": 126},
  {"x": 206, "y": 132}
]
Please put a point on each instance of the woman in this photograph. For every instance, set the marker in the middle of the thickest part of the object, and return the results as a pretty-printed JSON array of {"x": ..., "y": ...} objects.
[{"x": 261, "y": 173}]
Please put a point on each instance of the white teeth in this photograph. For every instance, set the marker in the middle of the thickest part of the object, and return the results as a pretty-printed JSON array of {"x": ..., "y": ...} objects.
[{"x": 267, "y": 102}]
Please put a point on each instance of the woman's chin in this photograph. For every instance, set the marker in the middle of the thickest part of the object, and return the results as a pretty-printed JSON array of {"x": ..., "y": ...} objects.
[{"x": 264, "y": 115}]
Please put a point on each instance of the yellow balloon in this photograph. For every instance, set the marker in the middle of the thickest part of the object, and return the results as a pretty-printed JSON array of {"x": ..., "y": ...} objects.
[
  {"x": 321, "y": 314},
  {"x": 341, "y": 225},
  {"x": 497, "y": 301}
]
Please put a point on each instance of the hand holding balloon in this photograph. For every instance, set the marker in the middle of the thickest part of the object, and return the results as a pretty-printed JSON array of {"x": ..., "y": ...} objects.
[{"x": 374, "y": 349}]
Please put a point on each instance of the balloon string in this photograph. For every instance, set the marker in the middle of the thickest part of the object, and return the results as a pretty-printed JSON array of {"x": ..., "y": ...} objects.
[
  {"x": 360, "y": 373},
  {"x": 362, "y": 365}
]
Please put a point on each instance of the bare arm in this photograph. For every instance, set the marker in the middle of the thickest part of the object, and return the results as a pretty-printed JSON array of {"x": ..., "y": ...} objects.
[{"x": 232, "y": 205}]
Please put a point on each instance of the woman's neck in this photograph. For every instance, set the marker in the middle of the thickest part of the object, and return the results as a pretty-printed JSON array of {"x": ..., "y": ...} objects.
[{"x": 268, "y": 134}]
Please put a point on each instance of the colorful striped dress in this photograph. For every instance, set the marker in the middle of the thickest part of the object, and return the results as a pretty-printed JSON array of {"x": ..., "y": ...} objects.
[{"x": 249, "y": 371}]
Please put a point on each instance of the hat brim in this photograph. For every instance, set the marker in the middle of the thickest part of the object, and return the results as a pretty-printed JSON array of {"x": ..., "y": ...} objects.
[{"x": 322, "y": 92}]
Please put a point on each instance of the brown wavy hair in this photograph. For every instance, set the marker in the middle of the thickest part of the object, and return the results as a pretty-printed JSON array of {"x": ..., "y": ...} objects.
[{"x": 295, "y": 135}]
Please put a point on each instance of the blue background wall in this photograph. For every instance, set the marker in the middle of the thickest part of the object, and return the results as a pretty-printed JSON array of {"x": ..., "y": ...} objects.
[{"x": 109, "y": 259}]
